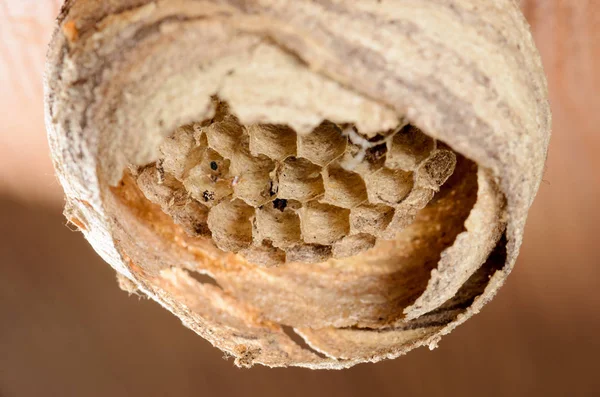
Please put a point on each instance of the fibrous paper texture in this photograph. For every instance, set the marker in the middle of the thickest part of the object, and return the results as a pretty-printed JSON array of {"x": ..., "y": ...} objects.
[{"x": 288, "y": 201}]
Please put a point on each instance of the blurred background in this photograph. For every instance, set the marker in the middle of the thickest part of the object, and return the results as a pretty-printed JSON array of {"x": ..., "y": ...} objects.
[{"x": 66, "y": 329}]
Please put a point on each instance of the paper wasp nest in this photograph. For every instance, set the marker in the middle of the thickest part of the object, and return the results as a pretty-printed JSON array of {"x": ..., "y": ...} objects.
[{"x": 356, "y": 174}]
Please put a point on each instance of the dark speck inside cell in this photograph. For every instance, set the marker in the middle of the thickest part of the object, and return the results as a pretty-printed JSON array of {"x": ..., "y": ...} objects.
[
  {"x": 213, "y": 165},
  {"x": 376, "y": 153},
  {"x": 208, "y": 196},
  {"x": 280, "y": 204}
]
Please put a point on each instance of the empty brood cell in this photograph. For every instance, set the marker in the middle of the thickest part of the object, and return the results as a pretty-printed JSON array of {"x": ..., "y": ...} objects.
[
  {"x": 278, "y": 223},
  {"x": 251, "y": 180},
  {"x": 371, "y": 219},
  {"x": 277, "y": 142},
  {"x": 363, "y": 160},
  {"x": 323, "y": 223},
  {"x": 231, "y": 226},
  {"x": 408, "y": 148},
  {"x": 299, "y": 179},
  {"x": 225, "y": 136},
  {"x": 323, "y": 145},
  {"x": 343, "y": 188},
  {"x": 388, "y": 186}
]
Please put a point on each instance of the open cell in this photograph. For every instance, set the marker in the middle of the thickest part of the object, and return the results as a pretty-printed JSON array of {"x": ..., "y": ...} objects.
[
  {"x": 408, "y": 148},
  {"x": 323, "y": 145},
  {"x": 343, "y": 188},
  {"x": 277, "y": 142},
  {"x": 279, "y": 225},
  {"x": 253, "y": 188},
  {"x": 299, "y": 179},
  {"x": 251, "y": 179},
  {"x": 388, "y": 186},
  {"x": 323, "y": 223},
  {"x": 231, "y": 225},
  {"x": 436, "y": 170},
  {"x": 371, "y": 219},
  {"x": 225, "y": 136}
]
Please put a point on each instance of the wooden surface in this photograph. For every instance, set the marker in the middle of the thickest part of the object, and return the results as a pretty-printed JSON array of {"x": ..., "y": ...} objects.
[{"x": 67, "y": 330}]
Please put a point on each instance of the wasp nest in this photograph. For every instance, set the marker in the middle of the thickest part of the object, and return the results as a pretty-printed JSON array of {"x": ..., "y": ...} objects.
[
  {"x": 355, "y": 173},
  {"x": 275, "y": 196}
]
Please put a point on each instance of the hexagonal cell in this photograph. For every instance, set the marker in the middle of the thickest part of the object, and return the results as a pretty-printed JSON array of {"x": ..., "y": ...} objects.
[
  {"x": 418, "y": 198},
  {"x": 231, "y": 226},
  {"x": 408, "y": 148},
  {"x": 311, "y": 253},
  {"x": 323, "y": 223},
  {"x": 323, "y": 145},
  {"x": 371, "y": 219},
  {"x": 436, "y": 170},
  {"x": 274, "y": 141},
  {"x": 213, "y": 165},
  {"x": 264, "y": 255},
  {"x": 279, "y": 223},
  {"x": 225, "y": 136},
  {"x": 343, "y": 188},
  {"x": 353, "y": 245},
  {"x": 299, "y": 179},
  {"x": 251, "y": 179},
  {"x": 253, "y": 188},
  {"x": 180, "y": 152},
  {"x": 388, "y": 186},
  {"x": 209, "y": 182},
  {"x": 174, "y": 201}
]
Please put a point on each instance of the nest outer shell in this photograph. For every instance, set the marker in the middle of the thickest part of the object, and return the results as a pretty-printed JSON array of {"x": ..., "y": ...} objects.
[{"x": 122, "y": 75}]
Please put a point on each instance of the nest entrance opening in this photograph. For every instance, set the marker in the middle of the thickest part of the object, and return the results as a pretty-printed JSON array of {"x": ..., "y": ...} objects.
[
  {"x": 274, "y": 196},
  {"x": 344, "y": 237}
]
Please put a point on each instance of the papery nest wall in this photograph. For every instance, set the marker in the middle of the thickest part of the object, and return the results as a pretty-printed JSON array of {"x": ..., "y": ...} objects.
[{"x": 125, "y": 76}]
